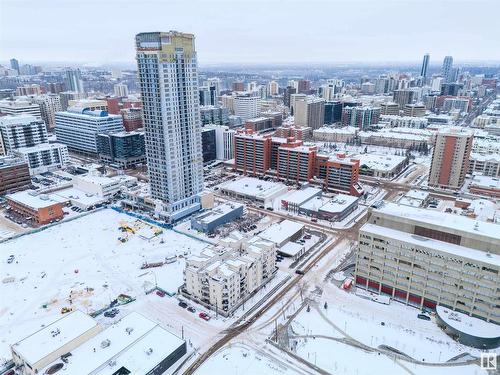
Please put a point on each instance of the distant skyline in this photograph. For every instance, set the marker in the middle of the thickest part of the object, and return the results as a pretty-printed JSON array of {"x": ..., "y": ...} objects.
[{"x": 254, "y": 32}]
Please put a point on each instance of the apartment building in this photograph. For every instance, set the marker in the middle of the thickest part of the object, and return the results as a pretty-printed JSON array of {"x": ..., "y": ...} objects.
[
  {"x": 485, "y": 164},
  {"x": 252, "y": 153},
  {"x": 132, "y": 118},
  {"x": 22, "y": 131},
  {"x": 414, "y": 110},
  {"x": 296, "y": 162},
  {"x": 338, "y": 173},
  {"x": 428, "y": 258},
  {"x": 223, "y": 278},
  {"x": 44, "y": 157},
  {"x": 450, "y": 159},
  {"x": 360, "y": 117},
  {"x": 309, "y": 112},
  {"x": 246, "y": 106},
  {"x": 288, "y": 159}
]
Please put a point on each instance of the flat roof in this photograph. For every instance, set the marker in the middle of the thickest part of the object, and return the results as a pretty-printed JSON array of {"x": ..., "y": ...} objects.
[
  {"x": 441, "y": 219},
  {"x": 485, "y": 182},
  {"x": 380, "y": 162},
  {"x": 35, "y": 200},
  {"x": 291, "y": 248},
  {"x": 441, "y": 246},
  {"x": 339, "y": 203},
  {"x": 255, "y": 187},
  {"x": 129, "y": 341},
  {"x": 280, "y": 232},
  {"x": 217, "y": 212},
  {"x": 40, "y": 147},
  {"x": 54, "y": 336},
  {"x": 300, "y": 196},
  {"x": 468, "y": 324}
]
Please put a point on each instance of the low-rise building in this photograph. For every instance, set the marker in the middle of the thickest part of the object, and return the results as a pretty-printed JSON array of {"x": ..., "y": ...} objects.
[
  {"x": 331, "y": 209},
  {"x": 281, "y": 233},
  {"x": 101, "y": 186},
  {"x": 39, "y": 349},
  {"x": 14, "y": 175},
  {"x": 122, "y": 149},
  {"x": 485, "y": 164},
  {"x": 329, "y": 134},
  {"x": 380, "y": 165},
  {"x": 254, "y": 190},
  {"x": 485, "y": 185},
  {"x": 294, "y": 200},
  {"x": 39, "y": 209},
  {"x": 415, "y": 198},
  {"x": 133, "y": 345},
  {"x": 207, "y": 221}
]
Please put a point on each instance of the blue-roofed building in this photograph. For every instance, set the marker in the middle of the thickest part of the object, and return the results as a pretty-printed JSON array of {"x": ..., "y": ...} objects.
[{"x": 78, "y": 128}]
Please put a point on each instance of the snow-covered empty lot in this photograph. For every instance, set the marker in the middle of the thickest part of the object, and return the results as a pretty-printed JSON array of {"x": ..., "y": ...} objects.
[{"x": 86, "y": 259}]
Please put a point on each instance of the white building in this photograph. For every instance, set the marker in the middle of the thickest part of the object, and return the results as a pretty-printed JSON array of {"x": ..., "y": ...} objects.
[
  {"x": 273, "y": 88},
  {"x": 39, "y": 349},
  {"x": 121, "y": 90},
  {"x": 22, "y": 131},
  {"x": 328, "y": 134},
  {"x": 49, "y": 105},
  {"x": 403, "y": 121},
  {"x": 224, "y": 141},
  {"x": 101, "y": 186},
  {"x": 133, "y": 345},
  {"x": 78, "y": 128},
  {"x": 168, "y": 77},
  {"x": 20, "y": 106},
  {"x": 222, "y": 278},
  {"x": 246, "y": 106},
  {"x": 259, "y": 191},
  {"x": 44, "y": 157}
]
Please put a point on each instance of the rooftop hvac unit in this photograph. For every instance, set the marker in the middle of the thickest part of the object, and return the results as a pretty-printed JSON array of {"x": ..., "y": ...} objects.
[
  {"x": 149, "y": 351},
  {"x": 129, "y": 330},
  {"x": 105, "y": 343},
  {"x": 112, "y": 363}
]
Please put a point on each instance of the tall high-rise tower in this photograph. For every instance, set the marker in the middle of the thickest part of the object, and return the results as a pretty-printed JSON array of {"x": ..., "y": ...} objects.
[
  {"x": 168, "y": 78},
  {"x": 446, "y": 71},
  {"x": 450, "y": 159},
  {"x": 425, "y": 65},
  {"x": 74, "y": 80}
]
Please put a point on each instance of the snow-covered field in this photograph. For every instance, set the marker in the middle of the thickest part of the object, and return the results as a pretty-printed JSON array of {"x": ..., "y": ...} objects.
[
  {"x": 242, "y": 360},
  {"x": 83, "y": 257},
  {"x": 348, "y": 315}
]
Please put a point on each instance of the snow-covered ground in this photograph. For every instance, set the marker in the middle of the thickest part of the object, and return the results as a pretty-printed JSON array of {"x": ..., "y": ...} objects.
[
  {"x": 242, "y": 360},
  {"x": 348, "y": 315},
  {"x": 85, "y": 257}
]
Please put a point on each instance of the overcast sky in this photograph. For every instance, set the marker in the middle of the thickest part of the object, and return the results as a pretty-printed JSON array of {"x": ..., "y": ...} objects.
[{"x": 254, "y": 31}]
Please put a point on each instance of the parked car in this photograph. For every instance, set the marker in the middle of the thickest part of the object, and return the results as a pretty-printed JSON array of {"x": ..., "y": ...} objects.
[
  {"x": 191, "y": 309},
  {"x": 423, "y": 317},
  {"x": 111, "y": 313},
  {"x": 10, "y": 259},
  {"x": 183, "y": 304},
  {"x": 307, "y": 236},
  {"x": 299, "y": 272},
  {"x": 160, "y": 293},
  {"x": 204, "y": 316}
]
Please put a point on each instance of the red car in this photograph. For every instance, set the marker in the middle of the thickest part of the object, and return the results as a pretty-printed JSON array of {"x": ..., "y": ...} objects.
[
  {"x": 204, "y": 316},
  {"x": 160, "y": 293}
]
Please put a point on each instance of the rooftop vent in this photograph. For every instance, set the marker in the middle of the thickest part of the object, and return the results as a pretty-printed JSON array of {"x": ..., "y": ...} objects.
[
  {"x": 129, "y": 330},
  {"x": 105, "y": 343}
]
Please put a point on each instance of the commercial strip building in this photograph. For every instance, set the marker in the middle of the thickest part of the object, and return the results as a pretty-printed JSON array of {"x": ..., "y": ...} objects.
[
  {"x": 44, "y": 157},
  {"x": 14, "y": 175},
  {"x": 207, "y": 221},
  {"x": 133, "y": 345},
  {"x": 450, "y": 158},
  {"x": 39, "y": 209},
  {"x": 222, "y": 278},
  {"x": 253, "y": 190},
  {"x": 122, "y": 149},
  {"x": 380, "y": 165},
  {"x": 78, "y": 128},
  {"x": 331, "y": 209},
  {"x": 485, "y": 185},
  {"x": 427, "y": 258}
]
